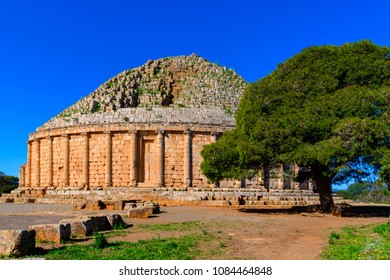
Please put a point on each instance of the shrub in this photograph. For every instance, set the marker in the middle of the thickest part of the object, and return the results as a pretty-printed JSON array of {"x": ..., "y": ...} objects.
[{"x": 100, "y": 240}]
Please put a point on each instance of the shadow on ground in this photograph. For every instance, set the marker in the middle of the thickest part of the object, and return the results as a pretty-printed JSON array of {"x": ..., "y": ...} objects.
[{"x": 349, "y": 211}]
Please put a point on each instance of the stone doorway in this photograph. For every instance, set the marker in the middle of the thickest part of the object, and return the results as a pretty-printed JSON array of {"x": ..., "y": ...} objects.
[{"x": 147, "y": 161}]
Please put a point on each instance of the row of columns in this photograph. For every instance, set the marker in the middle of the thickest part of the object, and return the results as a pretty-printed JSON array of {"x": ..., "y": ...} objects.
[{"x": 133, "y": 160}]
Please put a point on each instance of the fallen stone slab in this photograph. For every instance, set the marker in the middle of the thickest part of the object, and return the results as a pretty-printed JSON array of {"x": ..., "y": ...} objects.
[
  {"x": 99, "y": 223},
  {"x": 92, "y": 204},
  {"x": 80, "y": 227},
  {"x": 52, "y": 232},
  {"x": 155, "y": 206},
  {"x": 142, "y": 212},
  {"x": 87, "y": 225},
  {"x": 116, "y": 221},
  {"x": 17, "y": 243}
]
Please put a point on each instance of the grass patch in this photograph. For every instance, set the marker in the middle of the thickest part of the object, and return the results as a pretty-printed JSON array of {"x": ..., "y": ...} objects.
[
  {"x": 184, "y": 226},
  {"x": 369, "y": 242},
  {"x": 182, "y": 248},
  {"x": 198, "y": 240}
]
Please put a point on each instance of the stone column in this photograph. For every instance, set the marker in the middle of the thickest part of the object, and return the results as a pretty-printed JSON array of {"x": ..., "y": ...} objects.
[
  {"x": 161, "y": 158},
  {"x": 295, "y": 182},
  {"x": 86, "y": 160},
  {"x": 108, "y": 158},
  {"x": 133, "y": 156},
  {"x": 310, "y": 184},
  {"x": 66, "y": 160},
  {"x": 28, "y": 178},
  {"x": 280, "y": 177},
  {"x": 214, "y": 138},
  {"x": 50, "y": 162},
  {"x": 187, "y": 158},
  {"x": 240, "y": 183},
  {"x": 38, "y": 162},
  {"x": 22, "y": 175}
]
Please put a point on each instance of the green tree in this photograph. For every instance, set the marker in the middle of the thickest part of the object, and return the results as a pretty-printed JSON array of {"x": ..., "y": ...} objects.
[
  {"x": 356, "y": 190},
  {"x": 326, "y": 109},
  {"x": 7, "y": 183}
]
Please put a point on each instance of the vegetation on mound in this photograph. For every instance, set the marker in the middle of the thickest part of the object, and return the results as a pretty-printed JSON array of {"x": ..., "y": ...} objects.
[
  {"x": 369, "y": 242},
  {"x": 7, "y": 183},
  {"x": 366, "y": 192}
]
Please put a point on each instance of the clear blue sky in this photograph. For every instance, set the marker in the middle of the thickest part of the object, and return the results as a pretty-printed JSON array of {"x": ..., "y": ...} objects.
[{"x": 52, "y": 53}]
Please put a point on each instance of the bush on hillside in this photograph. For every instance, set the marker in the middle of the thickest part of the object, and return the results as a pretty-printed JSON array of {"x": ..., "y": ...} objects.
[
  {"x": 7, "y": 183},
  {"x": 367, "y": 192}
]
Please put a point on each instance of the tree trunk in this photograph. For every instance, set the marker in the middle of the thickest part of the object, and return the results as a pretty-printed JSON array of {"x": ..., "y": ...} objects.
[{"x": 324, "y": 185}]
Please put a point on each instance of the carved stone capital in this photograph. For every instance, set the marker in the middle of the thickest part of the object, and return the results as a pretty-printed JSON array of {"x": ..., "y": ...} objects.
[
  {"x": 187, "y": 132},
  {"x": 160, "y": 133}
]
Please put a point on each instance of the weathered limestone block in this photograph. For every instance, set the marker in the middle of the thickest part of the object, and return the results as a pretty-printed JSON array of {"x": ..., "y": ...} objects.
[
  {"x": 100, "y": 223},
  {"x": 129, "y": 206},
  {"x": 80, "y": 227},
  {"x": 113, "y": 204},
  {"x": 116, "y": 220},
  {"x": 154, "y": 205},
  {"x": 142, "y": 212},
  {"x": 17, "y": 242},
  {"x": 52, "y": 232},
  {"x": 92, "y": 204}
]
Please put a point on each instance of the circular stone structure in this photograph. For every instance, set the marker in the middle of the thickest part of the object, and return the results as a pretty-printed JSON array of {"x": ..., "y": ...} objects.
[{"x": 142, "y": 128}]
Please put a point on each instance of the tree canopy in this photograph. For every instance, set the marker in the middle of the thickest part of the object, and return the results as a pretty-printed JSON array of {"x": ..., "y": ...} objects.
[
  {"x": 7, "y": 183},
  {"x": 326, "y": 108}
]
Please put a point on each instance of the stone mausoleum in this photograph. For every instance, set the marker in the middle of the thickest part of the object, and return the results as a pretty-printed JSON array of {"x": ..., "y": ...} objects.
[{"x": 140, "y": 135}]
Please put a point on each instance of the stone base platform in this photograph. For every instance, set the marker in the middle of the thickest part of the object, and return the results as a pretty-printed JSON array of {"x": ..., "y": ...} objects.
[{"x": 116, "y": 198}]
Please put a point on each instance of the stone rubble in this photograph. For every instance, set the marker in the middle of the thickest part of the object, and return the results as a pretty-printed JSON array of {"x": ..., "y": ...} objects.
[
  {"x": 17, "y": 242},
  {"x": 52, "y": 232}
]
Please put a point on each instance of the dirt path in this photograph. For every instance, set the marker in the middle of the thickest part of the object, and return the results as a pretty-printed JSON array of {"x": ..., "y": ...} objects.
[
  {"x": 250, "y": 235},
  {"x": 264, "y": 236}
]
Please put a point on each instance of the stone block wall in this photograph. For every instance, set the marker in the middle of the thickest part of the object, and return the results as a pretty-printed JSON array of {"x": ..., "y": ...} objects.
[
  {"x": 198, "y": 141},
  {"x": 120, "y": 159},
  {"x": 97, "y": 159},
  {"x": 58, "y": 161},
  {"x": 116, "y": 155},
  {"x": 76, "y": 153},
  {"x": 174, "y": 159}
]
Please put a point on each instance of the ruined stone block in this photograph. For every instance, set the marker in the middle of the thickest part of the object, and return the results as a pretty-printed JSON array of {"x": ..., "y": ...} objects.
[
  {"x": 52, "y": 232},
  {"x": 100, "y": 223},
  {"x": 129, "y": 206},
  {"x": 92, "y": 204},
  {"x": 80, "y": 227},
  {"x": 154, "y": 205},
  {"x": 17, "y": 242},
  {"x": 116, "y": 220},
  {"x": 142, "y": 212}
]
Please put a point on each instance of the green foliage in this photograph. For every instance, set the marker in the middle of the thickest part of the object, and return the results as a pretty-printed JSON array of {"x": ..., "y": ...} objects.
[
  {"x": 367, "y": 192},
  {"x": 224, "y": 159},
  {"x": 7, "y": 183},
  {"x": 370, "y": 242},
  {"x": 171, "y": 226},
  {"x": 197, "y": 240},
  {"x": 326, "y": 108},
  {"x": 333, "y": 236},
  {"x": 182, "y": 248},
  {"x": 100, "y": 241},
  {"x": 96, "y": 107},
  {"x": 356, "y": 190},
  {"x": 383, "y": 230}
]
